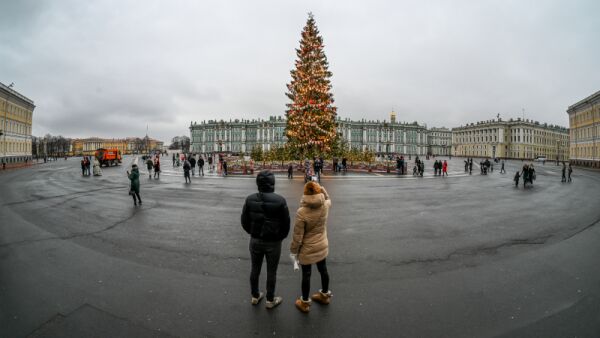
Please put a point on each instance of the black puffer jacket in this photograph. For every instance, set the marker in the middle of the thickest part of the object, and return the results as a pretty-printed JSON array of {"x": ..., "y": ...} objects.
[{"x": 265, "y": 214}]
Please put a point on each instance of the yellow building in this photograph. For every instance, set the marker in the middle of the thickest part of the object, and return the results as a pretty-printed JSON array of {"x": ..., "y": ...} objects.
[
  {"x": 131, "y": 145},
  {"x": 517, "y": 139},
  {"x": 16, "y": 115},
  {"x": 584, "y": 122}
]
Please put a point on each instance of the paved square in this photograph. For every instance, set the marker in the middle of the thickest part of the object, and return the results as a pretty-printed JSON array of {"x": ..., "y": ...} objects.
[{"x": 464, "y": 255}]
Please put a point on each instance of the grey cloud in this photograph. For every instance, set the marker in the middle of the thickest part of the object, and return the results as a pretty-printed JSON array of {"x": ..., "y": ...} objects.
[{"x": 89, "y": 64}]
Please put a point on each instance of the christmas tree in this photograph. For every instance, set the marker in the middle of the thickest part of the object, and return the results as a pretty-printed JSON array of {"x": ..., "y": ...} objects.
[{"x": 311, "y": 126}]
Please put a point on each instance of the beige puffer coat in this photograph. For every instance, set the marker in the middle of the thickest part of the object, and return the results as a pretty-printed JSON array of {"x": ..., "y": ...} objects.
[{"x": 309, "y": 241}]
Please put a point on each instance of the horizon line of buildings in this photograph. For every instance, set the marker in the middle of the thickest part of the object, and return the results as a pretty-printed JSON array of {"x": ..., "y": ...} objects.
[
  {"x": 515, "y": 138},
  {"x": 88, "y": 146}
]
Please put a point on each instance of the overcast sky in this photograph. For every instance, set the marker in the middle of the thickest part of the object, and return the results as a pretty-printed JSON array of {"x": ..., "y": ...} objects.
[{"x": 109, "y": 68}]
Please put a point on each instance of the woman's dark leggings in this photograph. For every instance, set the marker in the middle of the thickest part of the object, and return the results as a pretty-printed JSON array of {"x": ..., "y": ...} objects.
[{"x": 306, "y": 272}]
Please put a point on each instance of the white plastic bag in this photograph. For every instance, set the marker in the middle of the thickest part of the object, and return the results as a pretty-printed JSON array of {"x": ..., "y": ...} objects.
[{"x": 295, "y": 262}]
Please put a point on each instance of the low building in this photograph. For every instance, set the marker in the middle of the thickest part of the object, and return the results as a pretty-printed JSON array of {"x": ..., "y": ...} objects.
[
  {"x": 16, "y": 116},
  {"x": 385, "y": 138},
  {"x": 237, "y": 136},
  {"x": 439, "y": 142},
  {"x": 584, "y": 123},
  {"x": 130, "y": 145},
  {"x": 515, "y": 138}
]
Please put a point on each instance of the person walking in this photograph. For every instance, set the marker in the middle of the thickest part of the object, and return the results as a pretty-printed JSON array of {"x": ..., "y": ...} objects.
[
  {"x": 570, "y": 172},
  {"x": 200, "y": 166},
  {"x": 157, "y": 168},
  {"x": 210, "y": 163},
  {"x": 502, "y": 171},
  {"x": 149, "y": 166},
  {"x": 290, "y": 171},
  {"x": 83, "y": 166},
  {"x": 266, "y": 218},
  {"x": 173, "y": 159},
  {"x": 564, "y": 173},
  {"x": 470, "y": 166},
  {"x": 224, "y": 167},
  {"x": 517, "y": 176},
  {"x": 310, "y": 244},
  {"x": 193, "y": 164},
  {"x": 88, "y": 166},
  {"x": 186, "y": 171},
  {"x": 134, "y": 178},
  {"x": 445, "y": 168},
  {"x": 97, "y": 171}
]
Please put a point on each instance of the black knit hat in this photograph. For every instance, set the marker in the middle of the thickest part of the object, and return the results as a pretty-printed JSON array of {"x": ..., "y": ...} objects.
[{"x": 265, "y": 180}]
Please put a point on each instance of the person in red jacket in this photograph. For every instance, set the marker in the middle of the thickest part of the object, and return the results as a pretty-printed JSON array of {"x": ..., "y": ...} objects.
[{"x": 445, "y": 168}]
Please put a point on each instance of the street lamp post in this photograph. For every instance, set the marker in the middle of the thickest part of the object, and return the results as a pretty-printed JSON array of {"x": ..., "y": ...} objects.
[
  {"x": 3, "y": 134},
  {"x": 557, "y": 150}
]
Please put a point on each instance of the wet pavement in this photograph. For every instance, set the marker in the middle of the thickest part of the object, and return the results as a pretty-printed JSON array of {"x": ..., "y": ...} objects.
[{"x": 458, "y": 256}]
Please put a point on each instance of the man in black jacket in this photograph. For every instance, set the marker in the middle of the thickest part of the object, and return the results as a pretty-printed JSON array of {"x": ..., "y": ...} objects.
[
  {"x": 193, "y": 164},
  {"x": 200, "y": 166},
  {"x": 266, "y": 218}
]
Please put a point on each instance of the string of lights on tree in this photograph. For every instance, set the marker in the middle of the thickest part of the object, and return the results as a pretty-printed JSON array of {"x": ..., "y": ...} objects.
[{"x": 311, "y": 114}]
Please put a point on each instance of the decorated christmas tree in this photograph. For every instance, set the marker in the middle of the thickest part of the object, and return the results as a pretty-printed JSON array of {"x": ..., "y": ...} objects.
[{"x": 311, "y": 126}]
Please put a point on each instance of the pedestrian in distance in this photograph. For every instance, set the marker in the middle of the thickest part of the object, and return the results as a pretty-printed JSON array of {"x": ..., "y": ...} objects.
[
  {"x": 224, "y": 167},
  {"x": 310, "y": 244},
  {"x": 149, "y": 166},
  {"x": 200, "y": 166},
  {"x": 210, "y": 164},
  {"x": 266, "y": 218},
  {"x": 502, "y": 171},
  {"x": 570, "y": 172},
  {"x": 88, "y": 166},
  {"x": 525, "y": 175},
  {"x": 470, "y": 166},
  {"x": 157, "y": 168},
  {"x": 173, "y": 160},
  {"x": 83, "y": 166},
  {"x": 193, "y": 164},
  {"x": 134, "y": 188},
  {"x": 97, "y": 170},
  {"x": 564, "y": 173},
  {"x": 517, "y": 176},
  {"x": 445, "y": 168},
  {"x": 186, "y": 171},
  {"x": 530, "y": 174},
  {"x": 290, "y": 171}
]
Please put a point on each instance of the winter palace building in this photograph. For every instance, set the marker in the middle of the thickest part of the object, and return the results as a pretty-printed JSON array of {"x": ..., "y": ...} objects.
[
  {"x": 241, "y": 136},
  {"x": 584, "y": 122}
]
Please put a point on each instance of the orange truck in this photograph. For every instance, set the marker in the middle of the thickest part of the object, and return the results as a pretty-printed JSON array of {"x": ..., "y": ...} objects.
[{"x": 108, "y": 157}]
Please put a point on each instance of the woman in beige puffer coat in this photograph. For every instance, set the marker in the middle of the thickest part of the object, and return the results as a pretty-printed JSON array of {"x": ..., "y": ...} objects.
[{"x": 310, "y": 244}]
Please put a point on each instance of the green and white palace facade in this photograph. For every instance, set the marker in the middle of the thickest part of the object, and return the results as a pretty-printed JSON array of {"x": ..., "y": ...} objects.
[{"x": 239, "y": 137}]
